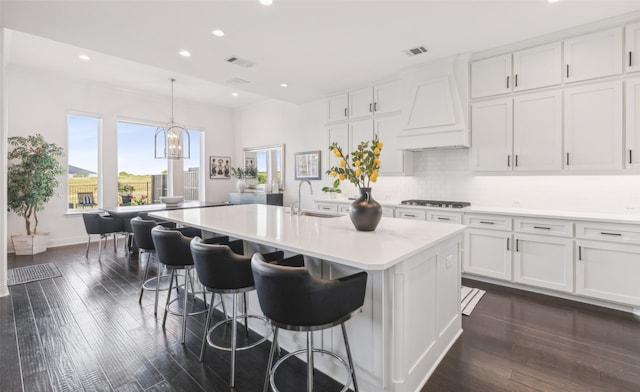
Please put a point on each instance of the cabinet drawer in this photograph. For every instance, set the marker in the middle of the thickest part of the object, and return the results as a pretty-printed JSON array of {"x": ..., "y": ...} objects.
[
  {"x": 344, "y": 208},
  {"x": 329, "y": 207},
  {"x": 444, "y": 217},
  {"x": 411, "y": 214},
  {"x": 493, "y": 222},
  {"x": 543, "y": 226},
  {"x": 608, "y": 232}
]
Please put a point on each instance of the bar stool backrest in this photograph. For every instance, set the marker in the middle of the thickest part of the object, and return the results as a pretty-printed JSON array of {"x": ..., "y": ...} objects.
[
  {"x": 172, "y": 248},
  {"x": 142, "y": 232},
  {"x": 291, "y": 297},
  {"x": 219, "y": 268}
]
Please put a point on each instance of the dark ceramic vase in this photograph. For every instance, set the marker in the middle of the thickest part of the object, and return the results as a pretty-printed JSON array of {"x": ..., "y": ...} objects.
[{"x": 365, "y": 213}]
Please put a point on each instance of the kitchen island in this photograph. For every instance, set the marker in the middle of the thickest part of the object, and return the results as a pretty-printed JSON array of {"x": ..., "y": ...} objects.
[{"x": 411, "y": 315}]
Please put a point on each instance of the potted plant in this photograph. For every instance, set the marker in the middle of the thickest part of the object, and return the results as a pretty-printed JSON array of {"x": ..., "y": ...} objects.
[
  {"x": 31, "y": 182},
  {"x": 240, "y": 174},
  {"x": 333, "y": 190},
  {"x": 127, "y": 193}
]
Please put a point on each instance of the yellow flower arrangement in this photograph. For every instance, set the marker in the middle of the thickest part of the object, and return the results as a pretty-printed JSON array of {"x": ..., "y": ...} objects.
[{"x": 361, "y": 167}]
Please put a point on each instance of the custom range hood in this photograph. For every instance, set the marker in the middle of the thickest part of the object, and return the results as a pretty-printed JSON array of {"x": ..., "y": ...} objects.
[{"x": 435, "y": 106}]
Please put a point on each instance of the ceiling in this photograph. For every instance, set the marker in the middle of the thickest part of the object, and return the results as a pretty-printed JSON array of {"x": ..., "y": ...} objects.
[{"x": 317, "y": 47}]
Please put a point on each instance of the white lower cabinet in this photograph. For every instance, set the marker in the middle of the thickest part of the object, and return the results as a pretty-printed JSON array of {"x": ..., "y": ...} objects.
[
  {"x": 543, "y": 261},
  {"x": 488, "y": 253},
  {"x": 608, "y": 271}
]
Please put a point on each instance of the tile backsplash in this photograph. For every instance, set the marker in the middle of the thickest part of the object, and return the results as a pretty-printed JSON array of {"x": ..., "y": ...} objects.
[{"x": 445, "y": 174}]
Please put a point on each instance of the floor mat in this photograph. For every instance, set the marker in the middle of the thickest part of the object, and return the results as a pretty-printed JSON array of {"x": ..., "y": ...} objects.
[
  {"x": 32, "y": 273},
  {"x": 469, "y": 298}
]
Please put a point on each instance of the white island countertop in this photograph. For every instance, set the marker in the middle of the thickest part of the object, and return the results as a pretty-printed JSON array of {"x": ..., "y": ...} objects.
[{"x": 333, "y": 239}]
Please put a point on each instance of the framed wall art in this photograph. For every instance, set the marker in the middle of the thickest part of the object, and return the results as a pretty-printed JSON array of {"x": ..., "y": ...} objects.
[
  {"x": 307, "y": 165},
  {"x": 219, "y": 167}
]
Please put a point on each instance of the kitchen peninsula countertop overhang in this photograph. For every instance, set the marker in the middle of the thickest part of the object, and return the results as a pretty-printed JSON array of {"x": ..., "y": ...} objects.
[{"x": 332, "y": 239}]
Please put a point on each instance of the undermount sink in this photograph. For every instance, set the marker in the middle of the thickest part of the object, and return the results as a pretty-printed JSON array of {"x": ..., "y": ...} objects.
[{"x": 321, "y": 214}]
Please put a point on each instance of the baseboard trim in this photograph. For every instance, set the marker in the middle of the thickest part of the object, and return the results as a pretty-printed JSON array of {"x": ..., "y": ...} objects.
[{"x": 4, "y": 289}]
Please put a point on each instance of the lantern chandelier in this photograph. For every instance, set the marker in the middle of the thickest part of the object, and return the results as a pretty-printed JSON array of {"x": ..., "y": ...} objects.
[{"x": 172, "y": 141}]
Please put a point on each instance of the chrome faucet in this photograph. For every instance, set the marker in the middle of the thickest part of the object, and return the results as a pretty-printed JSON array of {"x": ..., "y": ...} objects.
[{"x": 295, "y": 207}]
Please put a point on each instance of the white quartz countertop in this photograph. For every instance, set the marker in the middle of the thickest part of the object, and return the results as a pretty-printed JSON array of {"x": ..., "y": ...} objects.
[
  {"x": 631, "y": 217},
  {"x": 333, "y": 239}
]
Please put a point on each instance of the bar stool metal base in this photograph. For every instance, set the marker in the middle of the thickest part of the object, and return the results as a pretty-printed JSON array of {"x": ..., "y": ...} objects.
[
  {"x": 238, "y": 348},
  {"x": 315, "y": 350}
]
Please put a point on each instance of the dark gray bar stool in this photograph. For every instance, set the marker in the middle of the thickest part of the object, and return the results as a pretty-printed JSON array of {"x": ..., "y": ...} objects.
[
  {"x": 96, "y": 224},
  {"x": 222, "y": 270},
  {"x": 172, "y": 250},
  {"x": 294, "y": 300}
]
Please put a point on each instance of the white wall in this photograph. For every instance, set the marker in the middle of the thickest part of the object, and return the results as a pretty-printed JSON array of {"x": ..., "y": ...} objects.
[
  {"x": 438, "y": 174},
  {"x": 39, "y": 103},
  {"x": 299, "y": 128},
  {"x": 3, "y": 171}
]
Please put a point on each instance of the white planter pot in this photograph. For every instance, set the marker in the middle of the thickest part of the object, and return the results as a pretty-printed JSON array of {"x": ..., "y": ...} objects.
[
  {"x": 241, "y": 186},
  {"x": 29, "y": 244}
]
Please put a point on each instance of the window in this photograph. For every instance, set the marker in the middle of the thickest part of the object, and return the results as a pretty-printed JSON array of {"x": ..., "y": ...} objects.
[
  {"x": 142, "y": 179},
  {"x": 82, "y": 158}
]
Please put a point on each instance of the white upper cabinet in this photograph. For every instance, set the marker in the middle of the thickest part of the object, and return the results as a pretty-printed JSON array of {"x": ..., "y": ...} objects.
[
  {"x": 492, "y": 135},
  {"x": 537, "y": 67},
  {"x": 593, "y": 127},
  {"x": 336, "y": 108},
  {"x": 365, "y": 102},
  {"x": 386, "y": 98},
  {"x": 394, "y": 160},
  {"x": 491, "y": 76},
  {"x": 359, "y": 131},
  {"x": 337, "y": 134},
  {"x": 360, "y": 103},
  {"x": 632, "y": 47},
  {"x": 537, "y": 131},
  {"x": 632, "y": 154},
  {"x": 593, "y": 55}
]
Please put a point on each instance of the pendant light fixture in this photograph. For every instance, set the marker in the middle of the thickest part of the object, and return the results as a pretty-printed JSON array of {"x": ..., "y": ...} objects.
[{"x": 172, "y": 141}]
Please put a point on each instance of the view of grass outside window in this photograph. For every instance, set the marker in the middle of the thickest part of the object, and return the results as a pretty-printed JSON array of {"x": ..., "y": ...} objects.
[
  {"x": 142, "y": 179},
  {"x": 82, "y": 158}
]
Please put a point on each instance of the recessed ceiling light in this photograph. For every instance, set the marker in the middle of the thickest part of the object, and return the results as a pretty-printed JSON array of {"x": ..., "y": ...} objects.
[
  {"x": 283, "y": 85},
  {"x": 84, "y": 57},
  {"x": 184, "y": 53},
  {"x": 235, "y": 94},
  {"x": 553, "y": 1},
  {"x": 218, "y": 33},
  {"x": 266, "y": 2}
]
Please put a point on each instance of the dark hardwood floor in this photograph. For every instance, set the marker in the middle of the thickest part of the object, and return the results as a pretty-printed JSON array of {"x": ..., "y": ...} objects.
[{"x": 86, "y": 331}]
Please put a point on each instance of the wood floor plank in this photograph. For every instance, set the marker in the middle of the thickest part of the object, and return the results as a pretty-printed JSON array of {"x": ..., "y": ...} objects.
[{"x": 10, "y": 374}]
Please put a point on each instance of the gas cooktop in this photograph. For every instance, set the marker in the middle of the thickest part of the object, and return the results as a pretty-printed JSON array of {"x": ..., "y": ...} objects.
[{"x": 436, "y": 203}]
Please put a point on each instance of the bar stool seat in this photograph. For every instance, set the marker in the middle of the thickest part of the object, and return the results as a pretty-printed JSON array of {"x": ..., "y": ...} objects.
[
  {"x": 292, "y": 299},
  {"x": 223, "y": 271}
]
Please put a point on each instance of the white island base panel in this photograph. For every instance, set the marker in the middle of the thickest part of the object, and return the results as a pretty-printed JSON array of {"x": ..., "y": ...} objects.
[{"x": 410, "y": 319}]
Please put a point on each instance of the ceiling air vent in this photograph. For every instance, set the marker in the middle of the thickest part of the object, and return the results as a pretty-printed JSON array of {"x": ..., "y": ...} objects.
[
  {"x": 241, "y": 62},
  {"x": 238, "y": 81},
  {"x": 416, "y": 51}
]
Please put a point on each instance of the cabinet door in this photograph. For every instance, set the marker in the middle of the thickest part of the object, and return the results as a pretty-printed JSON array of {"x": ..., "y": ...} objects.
[
  {"x": 488, "y": 253},
  {"x": 537, "y": 67},
  {"x": 632, "y": 153},
  {"x": 543, "y": 261},
  {"x": 491, "y": 139},
  {"x": 632, "y": 47},
  {"x": 361, "y": 103},
  {"x": 608, "y": 271},
  {"x": 336, "y": 107},
  {"x": 359, "y": 131},
  {"x": 593, "y": 127},
  {"x": 593, "y": 55},
  {"x": 491, "y": 76},
  {"x": 392, "y": 157},
  {"x": 537, "y": 131},
  {"x": 386, "y": 98},
  {"x": 338, "y": 134}
]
